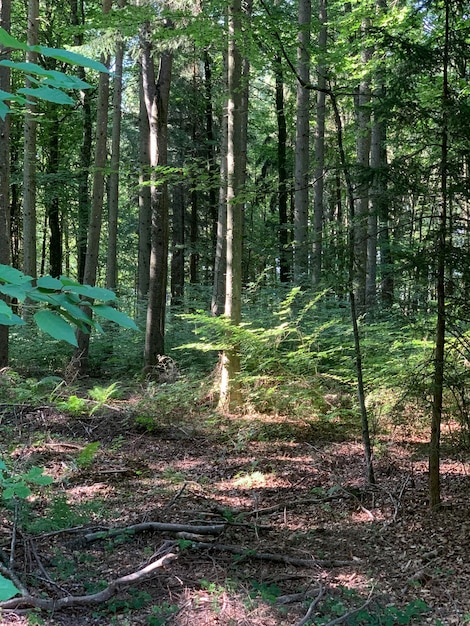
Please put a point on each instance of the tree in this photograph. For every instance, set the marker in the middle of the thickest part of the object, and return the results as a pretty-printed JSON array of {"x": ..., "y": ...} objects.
[
  {"x": 30, "y": 141},
  {"x": 230, "y": 393},
  {"x": 302, "y": 145},
  {"x": 5, "y": 18},
  {"x": 156, "y": 89}
]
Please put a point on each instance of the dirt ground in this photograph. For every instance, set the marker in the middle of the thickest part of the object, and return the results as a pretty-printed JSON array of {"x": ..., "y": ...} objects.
[{"x": 299, "y": 539}]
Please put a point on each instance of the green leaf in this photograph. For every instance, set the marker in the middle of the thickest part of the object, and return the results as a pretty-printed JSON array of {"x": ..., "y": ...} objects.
[
  {"x": 92, "y": 292},
  {"x": 71, "y": 57},
  {"x": 15, "y": 291},
  {"x": 7, "y": 589},
  {"x": 48, "y": 282},
  {"x": 3, "y": 467},
  {"x": 11, "y": 320},
  {"x": 36, "y": 476},
  {"x": 10, "y": 42},
  {"x": 55, "y": 326},
  {"x": 110, "y": 313},
  {"x": 47, "y": 93},
  {"x": 20, "y": 490},
  {"x": 10, "y": 274}
]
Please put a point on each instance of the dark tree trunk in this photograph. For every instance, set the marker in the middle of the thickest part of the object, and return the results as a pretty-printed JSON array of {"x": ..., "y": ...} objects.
[{"x": 177, "y": 253}]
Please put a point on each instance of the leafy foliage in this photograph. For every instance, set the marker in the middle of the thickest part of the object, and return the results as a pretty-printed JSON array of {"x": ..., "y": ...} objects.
[{"x": 64, "y": 298}]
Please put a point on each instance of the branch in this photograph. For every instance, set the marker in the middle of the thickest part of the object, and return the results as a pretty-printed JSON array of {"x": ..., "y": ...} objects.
[
  {"x": 94, "y": 598},
  {"x": 268, "y": 556},
  {"x": 311, "y": 608},
  {"x": 213, "y": 529}
]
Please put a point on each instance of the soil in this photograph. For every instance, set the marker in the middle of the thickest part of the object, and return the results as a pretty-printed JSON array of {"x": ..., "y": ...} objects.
[{"x": 282, "y": 487}]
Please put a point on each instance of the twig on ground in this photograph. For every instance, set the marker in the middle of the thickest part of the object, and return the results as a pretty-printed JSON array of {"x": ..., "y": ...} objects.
[
  {"x": 346, "y": 616},
  {"x": 267, "y": 556},
  {"x": 296, "y": 502},
  {"x": 311, "y": 608},
  {"x": 48, "y": 604},
  {"x": 209, "y": 529},
  {"x": 176, "y": 497}
]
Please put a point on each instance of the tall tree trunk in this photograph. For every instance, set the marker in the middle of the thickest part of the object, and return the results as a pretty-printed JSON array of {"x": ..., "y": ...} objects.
[
  {"x": 439, "y": 349},
  {"x": 318, "y": 210},
  {"x": 177, "y": 253},
  {"x": 97, "y": 201},
  {"x": 145, "y": 208},
  {"x": 113, "y": 197},
  {"x": 29, "y": 167},
  {"x": 363, "y": 142},
  {"x": 5, "y": 19},
  {"x": 212, "y": 169},
  {"x": 52, "y": 197},
  {"x": 157, "y": 95},
  {"x": 230, "y": 393},
  {"x": 220, "y": 259},
  {"x": 284, "y": 265},
  {"x": 83, "y": 175},
  {"x": 302, "y": 146}
]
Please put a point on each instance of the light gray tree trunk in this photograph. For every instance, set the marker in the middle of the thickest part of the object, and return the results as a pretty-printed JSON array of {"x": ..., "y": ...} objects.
[
  {"x": 29, "y": 167},
  {"x": 145, "y": 209},
  {"x": 230, "y": 392},
  {"x": 220, "y": 259},
  {"x": 319, "y": 182},
  {"x": 113, "y": 182},
  {"x": 363, "y": 142},
  {"x": 302, "y": 146},
  {"x": 94, "y": 227}
]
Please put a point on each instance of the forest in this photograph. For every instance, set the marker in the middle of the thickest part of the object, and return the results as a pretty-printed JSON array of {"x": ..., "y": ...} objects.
[{"x": 234, "y": 312}]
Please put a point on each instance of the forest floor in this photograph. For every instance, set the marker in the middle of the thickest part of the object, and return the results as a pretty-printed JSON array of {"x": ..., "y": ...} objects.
[{"x": 271, "y": 487}]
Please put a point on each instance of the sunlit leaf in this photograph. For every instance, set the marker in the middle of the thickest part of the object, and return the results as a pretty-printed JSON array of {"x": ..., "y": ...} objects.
[
  {"x": 7, "y": 589},
  {"x": 112, "y": 314},
  {"x": 55, "y": 326}
]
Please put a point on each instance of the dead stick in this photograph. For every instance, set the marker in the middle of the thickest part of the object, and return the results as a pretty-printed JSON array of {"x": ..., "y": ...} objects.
[
  {"x": 95, "y": 598},
  {"x": 208, "y": 529}
]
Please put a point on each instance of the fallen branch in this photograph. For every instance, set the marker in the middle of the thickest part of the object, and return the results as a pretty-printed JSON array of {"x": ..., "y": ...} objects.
[
  {"x": 311, "y": 608},
  {"x": 268, "y": 556},
  {"x": 208, "y": 529},
  {"x": 114, "y": 587}
]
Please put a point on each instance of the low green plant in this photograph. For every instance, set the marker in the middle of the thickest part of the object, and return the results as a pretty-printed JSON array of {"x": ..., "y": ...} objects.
[
  {"x": 101, "y": 395},
  {"x": 88, "y": 454},
  {"x": 161, "y": 614}
]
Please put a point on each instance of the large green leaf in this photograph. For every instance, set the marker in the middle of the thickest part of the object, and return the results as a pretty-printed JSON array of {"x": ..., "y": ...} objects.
[
  {"x": 112, "y": 314},
  {"x": 10, "y": 42},
  {"x": 14, "y": 291},
  {"x": 10, "y": 274},
  {"x": 47, "y": 93},
  {"x": 71, "y": 57},
  {"x": 7, "y": 589},
  {"x": 55, "y": 326},
  {"x": 92, "y": 292},
  {"x": 48, "y": 282}
]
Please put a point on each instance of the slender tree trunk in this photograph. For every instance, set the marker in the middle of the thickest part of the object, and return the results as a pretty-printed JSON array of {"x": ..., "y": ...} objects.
[
  {"x": 177, "y": 253},
  {"x": 29, "y": 167},
  {"x": 319, "y": 183},
  {"x": 52, "y": 197},
  {"x": 145, "y": 208},
  {"x": 439, "y": 349},
  {"x": 96, "y": 213},
  {"x": 302, "y": 146},
  {"x": 230, "y": 393},
  {"x": 5, "y": 19},
  {"x": 220, "y": 260},
  {"x": 113, "y": 198},
  {"x": 284, "y": 265},
  {"x": 363, "y": 143},
  {"x": 157, "y": 95},
  {"x": 212, "y": 169},
  {"x": 83, "y": 176}
]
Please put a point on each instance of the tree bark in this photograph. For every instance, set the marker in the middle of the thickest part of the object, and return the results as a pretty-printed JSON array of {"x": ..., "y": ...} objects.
[
  {"x": 157, "y": 95},
  {"x": 302, "y": 146},
  {"x": 113, "y": 194},
  {"x": 95, "y": 221},
  {"x": 29, "y": 167},
  {"x": 5, "y": 21},
  {"x": 230, "y": 393},
  {"x": 284, "y": 265},
  {"x": 145, "y": 209},
  {"x": 177, "y": 253},
  {"x": 319, "y": 183},
  {"x": 52, "y": 196}
]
